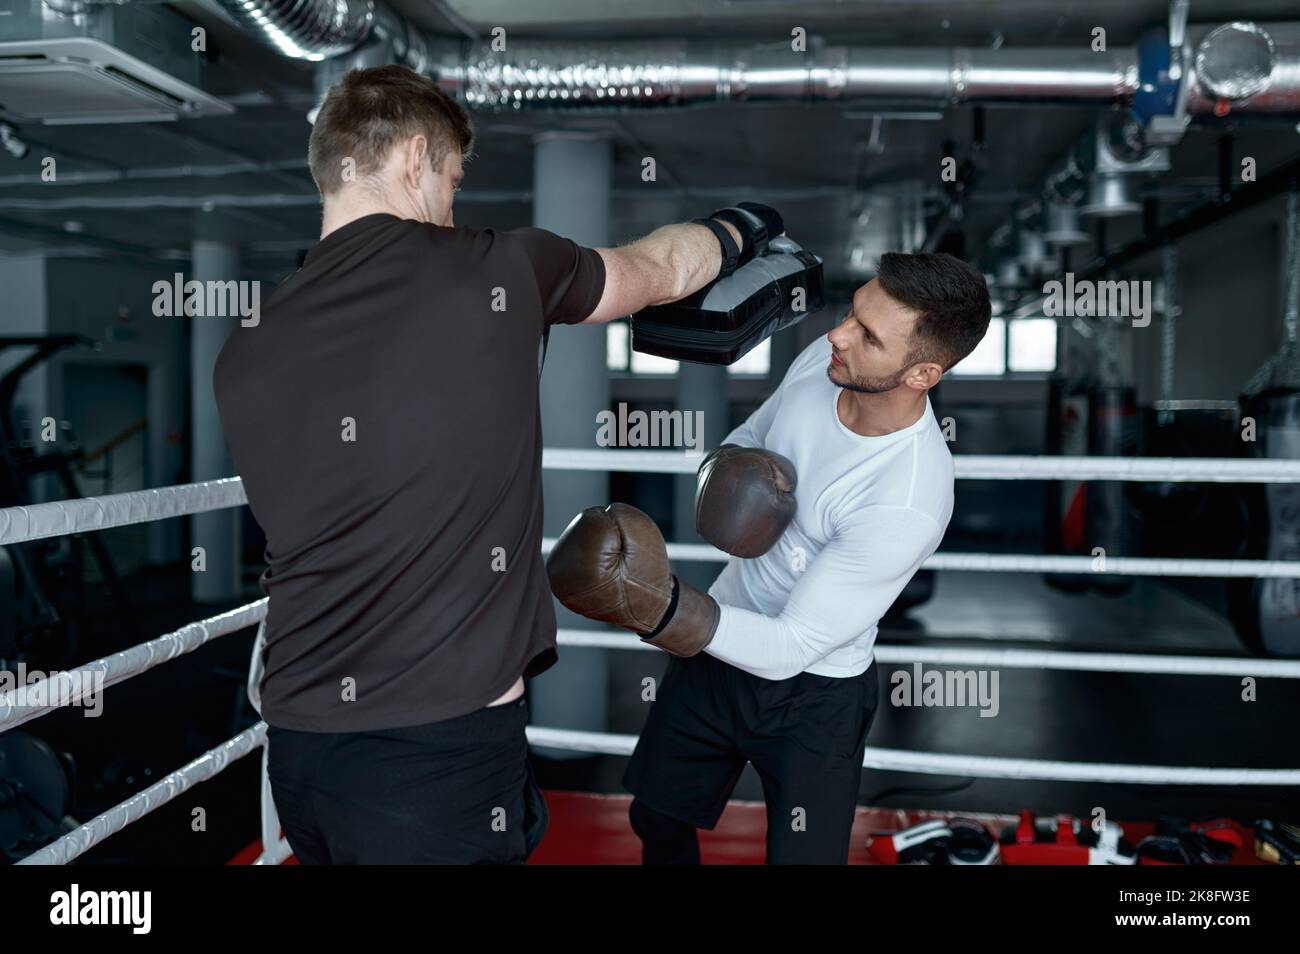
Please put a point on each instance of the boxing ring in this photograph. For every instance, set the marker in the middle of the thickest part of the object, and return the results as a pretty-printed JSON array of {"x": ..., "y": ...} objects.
[{"x": 83, "y": 515}]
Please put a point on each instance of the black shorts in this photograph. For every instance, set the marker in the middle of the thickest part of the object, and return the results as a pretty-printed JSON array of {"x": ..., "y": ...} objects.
[
  {"x": 460, "y": 791},
  {"x": 804, "y": 735}
]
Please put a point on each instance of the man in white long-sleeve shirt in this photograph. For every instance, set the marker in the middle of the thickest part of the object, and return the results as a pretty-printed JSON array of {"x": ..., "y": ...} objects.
[
  {"x": 788, "y": 680},
  {"x": 871, "y": 508},
  {"x": 829, "y": 498}
]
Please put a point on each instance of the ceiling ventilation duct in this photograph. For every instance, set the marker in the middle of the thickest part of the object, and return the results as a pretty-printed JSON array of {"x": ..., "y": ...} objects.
[
  {"x": 883, "y": 221},
  {"x": 1110, "y": 196},
  {"x": 1009, "y": 275},
  {"x": 1102, "y": 175},
  {"x": 1240, "y": 66},
  {"x": 1032, "y": 253},
  {"x": 1061, "y": 225},
  {"x": 1119, "y": 161},
  {"x": 88, "y": 65}
]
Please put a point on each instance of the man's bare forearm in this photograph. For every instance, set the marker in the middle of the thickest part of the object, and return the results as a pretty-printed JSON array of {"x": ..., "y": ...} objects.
[
  {"x": 669, "y": 263},
  {"x": 683, "y": 258}
]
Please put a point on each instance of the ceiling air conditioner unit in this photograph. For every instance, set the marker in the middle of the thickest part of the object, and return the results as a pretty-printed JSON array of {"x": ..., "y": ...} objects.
[{"x": 113, "y": 64}]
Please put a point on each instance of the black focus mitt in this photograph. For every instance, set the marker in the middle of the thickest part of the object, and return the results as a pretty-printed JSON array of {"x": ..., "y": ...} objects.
[
  {"x": 757, "y": 224},
  {"x": 777, "y": 288}
]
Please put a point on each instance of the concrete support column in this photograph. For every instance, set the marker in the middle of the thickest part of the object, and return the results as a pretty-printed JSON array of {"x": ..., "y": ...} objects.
[
  {"x": 571, "y": 193},
  {"x": 165, "y": 456},
  {"x": 218, "y": 532}
]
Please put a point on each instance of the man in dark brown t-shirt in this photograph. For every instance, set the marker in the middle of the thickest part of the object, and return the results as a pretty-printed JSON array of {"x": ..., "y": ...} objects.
[
  {"x": 384, "y": 416},
  {"x": 385, "y": 422}
]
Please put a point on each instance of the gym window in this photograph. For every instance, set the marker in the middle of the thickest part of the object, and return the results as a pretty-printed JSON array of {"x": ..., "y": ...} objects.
[{"x": 1013, "y": 346}]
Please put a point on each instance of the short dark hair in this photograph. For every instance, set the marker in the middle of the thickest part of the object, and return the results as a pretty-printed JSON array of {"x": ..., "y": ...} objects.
[
  {"x": 371, "y": 110},
  {"x": 951, "y": 300}
]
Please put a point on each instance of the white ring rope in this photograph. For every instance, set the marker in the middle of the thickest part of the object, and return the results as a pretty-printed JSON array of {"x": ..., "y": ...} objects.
[
  {"x": 976, "y": 766},
  {"x": 1047, "y": 563},
  {"x": 84, "y": 837},
  {"x": 278, "y": 853},
  {"x": 81, "y": 514},
  {"x": 145, "y": 656},
  {"x": 71, "y": 686},
  {"x": 1111, "y": 565},
  {"x": 1211, "y": 470},
  {"x": 1218, "y": 470},
  {"x": 211, "y": 763},
  {"x": 270, "y": 815},
  {"x": 1144, "y": 664},
  {"x": 42, "y": 521},
  {"x": 19, "y": 524}
]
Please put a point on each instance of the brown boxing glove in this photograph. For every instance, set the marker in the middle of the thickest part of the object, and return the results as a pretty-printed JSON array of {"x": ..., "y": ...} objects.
[
  {"x": 744, "y": 499},
  {"x": 611, "y": 564}
]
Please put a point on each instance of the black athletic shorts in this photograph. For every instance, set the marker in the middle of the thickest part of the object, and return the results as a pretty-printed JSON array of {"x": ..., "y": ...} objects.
[
  {"x": 804, "y": 735},
  {"x": 460, "y": 791}
]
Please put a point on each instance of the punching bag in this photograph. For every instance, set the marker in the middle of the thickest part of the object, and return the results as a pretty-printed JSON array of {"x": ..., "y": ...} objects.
[
  {"x": 1113, "y": 428},
  {"x": 1067, "y": 435},
  {"x": 1266, "y": 612},
  {"x": 1269, "y": 620}
]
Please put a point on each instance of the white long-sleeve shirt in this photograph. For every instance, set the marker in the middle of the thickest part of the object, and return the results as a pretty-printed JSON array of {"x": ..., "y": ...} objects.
[{"x": 870, "y": 511}]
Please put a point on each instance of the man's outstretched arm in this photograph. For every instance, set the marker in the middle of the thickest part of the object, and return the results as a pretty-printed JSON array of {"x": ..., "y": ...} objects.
[{"x": 669, "y": 263}]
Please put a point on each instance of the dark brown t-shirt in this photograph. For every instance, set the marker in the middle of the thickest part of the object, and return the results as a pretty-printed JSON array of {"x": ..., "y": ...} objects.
[{"x": 384, "y": 418}]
